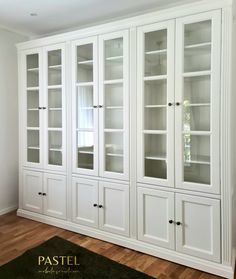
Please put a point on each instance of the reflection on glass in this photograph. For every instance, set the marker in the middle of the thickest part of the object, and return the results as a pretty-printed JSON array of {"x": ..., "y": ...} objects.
[
  {"x": 114, "y": 152},
  {"x": 54, "y": 67},
  {"x": 55, "y": 148},
  {"x": 155, "y": 92},
  {"x": 85, "y": 63},
  {"x": 33, "y": 146},
  {"x": 32, "y": 65},
  {"x": 85, "y": 145}
]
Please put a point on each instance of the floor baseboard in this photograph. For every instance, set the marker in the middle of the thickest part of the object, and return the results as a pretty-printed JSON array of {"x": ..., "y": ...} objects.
[{"x": 8, "y": 209}]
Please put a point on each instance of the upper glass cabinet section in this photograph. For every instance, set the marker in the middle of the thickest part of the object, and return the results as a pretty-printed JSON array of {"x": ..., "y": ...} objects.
[{"x": 198, "y": 100}]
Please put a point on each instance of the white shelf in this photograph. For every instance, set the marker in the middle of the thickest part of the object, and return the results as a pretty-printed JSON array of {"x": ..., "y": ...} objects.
[
  {"x": 56, "y": 149},
  {"x": 160, "y": 51},
  {"x": 155, "y": 106},
  {"x": 35, "y": 70},
  {"x": 85, "y": 62},
  {"x": 113, "y": 81},
  {"x": 158, "y": 157},
  {"x": 114, "y": 155},
  {"x": 85, "y": 83},
  {"x": 197, "y": 74},
  {"x": 113, "y": 130},
  {"x": 55, "y": 67},
  {"x": 54, "y": 86},
  {"x": 155, "y": 132},
  {"x": 55, "y": 129},
  {"x": 199, "y": 159},
  {"x": 33, "y": 128},
  {"x": 33, "y": 147},
  {"x": 160, "y": 77},
  {"x": 55, "y": 109},
  {"x": 202, "y": 45},
  {"x": 86, "y": 150},
  {"x": 114, "y": 58},
  {"x": 198, "y": 105},
  {"x": 197, "y": 133},
  {"x": 34, "y": 88},
  {"x": 84, "y": 129},
  {"x": 114, "y": 107},
  {"x": 33, "y": 109}
]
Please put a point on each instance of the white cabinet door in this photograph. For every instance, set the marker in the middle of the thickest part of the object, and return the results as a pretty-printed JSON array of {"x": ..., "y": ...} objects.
[
  {"x": 114, "y": 105},
  {"x": 54, "y": 195},
  {"x": 198, "y": 227},
  {"x": 114, "y": 208},
  {"x": 85, "y": 201},
  {"x": 54, "y": 108},
  {"x": 197, "y": 118},
  {"x": 155, "y": 114},
  {"x": 156, "y": 217},
  {"x": 32, "y": 102},
  {"x": 85, "y": 106},
  {"x": 32, "y": 191}
]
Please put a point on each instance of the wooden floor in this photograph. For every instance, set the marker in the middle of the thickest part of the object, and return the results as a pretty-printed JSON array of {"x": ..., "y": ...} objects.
[{"x": 19, "y": 234}]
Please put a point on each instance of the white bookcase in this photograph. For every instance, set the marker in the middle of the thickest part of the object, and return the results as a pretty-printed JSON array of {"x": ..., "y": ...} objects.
[{"x": 126, "y": 133}]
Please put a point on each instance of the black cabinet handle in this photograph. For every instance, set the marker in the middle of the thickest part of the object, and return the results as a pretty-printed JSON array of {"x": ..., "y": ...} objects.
[
  {"x": 39, "y": 193},
  {"x": 43, "y": 107},
  {"x": 100, "y": 206},
  {"x": 178, "y": 104},
  {"x": 170, "y": 104},
  {"x": 44, "y": 194},
  {"x": 100, "y": 106},
  {"x": 171, "y": 221},
  {"x": 178, "y": 223},
  {"x": 95, "y": 205},
  {"x": 95, "y": 106},
  {"x": 39, "y": 107}
]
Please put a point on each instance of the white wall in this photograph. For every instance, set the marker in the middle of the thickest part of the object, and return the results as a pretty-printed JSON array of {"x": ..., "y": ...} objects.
[{"x": 8, "y": 120}]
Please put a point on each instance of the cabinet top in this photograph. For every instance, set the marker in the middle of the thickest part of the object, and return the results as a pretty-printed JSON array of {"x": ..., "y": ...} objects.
[{"x": 167, "y": 13}]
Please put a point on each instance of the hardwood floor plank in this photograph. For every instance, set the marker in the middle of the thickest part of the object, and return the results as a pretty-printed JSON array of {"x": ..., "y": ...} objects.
[{"x": 19, "y": 234}]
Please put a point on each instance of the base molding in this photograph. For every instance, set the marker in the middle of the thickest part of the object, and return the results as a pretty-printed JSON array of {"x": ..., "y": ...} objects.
[
  {"x": 8, "y": 209},
  {"x": 170, "y": 255}
]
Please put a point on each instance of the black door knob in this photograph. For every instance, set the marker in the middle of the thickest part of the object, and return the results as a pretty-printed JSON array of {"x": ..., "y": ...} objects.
[
  {"x": 178, "y": 223},
  {"x": 178, "y": 104},
  {"x": 39, "y": 193},
  {"x": 44, "y": 194},
  {"x": 100, "y": 206},
  {"x": 171, "y": 221},
  {"x": 170, "y": 104},
  {"x": 95, "y": 205}
]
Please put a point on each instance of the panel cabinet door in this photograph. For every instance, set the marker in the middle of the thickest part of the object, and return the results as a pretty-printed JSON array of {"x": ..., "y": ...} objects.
[
  {"x": 198, "y": 230},
  {"x": 155, "y": 114},
  {"x": 114, "y": 105},
  {"x": 197, "y": 118},
  {"x": 156, "y": 217},
  {"x": 85, "y": 201},
  {"x": 54, "y": 108},
  {"x": 54, "y": 195},
  {"x": 85, "y": 106},
  {"x": 32, "y": 191},
  {"x": 32, "y": 101},
  {"x": 114, "y": 208}
]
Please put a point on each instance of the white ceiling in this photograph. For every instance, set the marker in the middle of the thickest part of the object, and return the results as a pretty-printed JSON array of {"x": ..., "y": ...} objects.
[{"x": 60, "y": 15}]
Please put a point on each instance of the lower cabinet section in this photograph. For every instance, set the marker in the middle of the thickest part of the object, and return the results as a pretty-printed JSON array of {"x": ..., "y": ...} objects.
[
  {"x": 45, "y": 193},
  {"x": 102, "y": 205},
  {"x": 188, "y": 224}
]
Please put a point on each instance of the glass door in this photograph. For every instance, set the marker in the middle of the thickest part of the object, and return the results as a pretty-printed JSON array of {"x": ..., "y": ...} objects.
[
  {"x": 85, "y": 107},
  {"x": 33, "y": 109},
  {"x": 54, "y": 108},
  {"x": 197, "y": 102},
  {"x": 113, "y": 105},
  {"x": 155, "y": 139}
]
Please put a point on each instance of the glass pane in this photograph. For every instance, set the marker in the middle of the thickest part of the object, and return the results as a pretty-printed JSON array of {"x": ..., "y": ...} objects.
[
  {"x": 197, "y": 90},
  {"x": 55, "y": 118},
  {"x": 55, "y": 148},
  {"x": 197, "y": 41},
  {"x": 155, "y": 92},
  {"x": 114, "y": 118},
  {"x": 197, "y": 33},
  {"x": 155, "y": 118},
  {"x": 85, "y": 110},
  {"x": 32, "y": 108},
  {"x": 32, "y": 64},
  {"x": 85, "y": 145},
  {"x": 114, "y": 59},
  {"x": 196, "y": 158},
  {"x": 85, "y": 63},
  {"x": 54, "y": 67},
  {"x": 155, "y": 53},
  {"x": 196, "y": 118},
  {"x": 114, "y": 95},
  {"x": 114, "y": 152},
  {"x": 55, "y": 98},
  {"x": 33, "y": 146},
  {"x": 155, "y": 155}
]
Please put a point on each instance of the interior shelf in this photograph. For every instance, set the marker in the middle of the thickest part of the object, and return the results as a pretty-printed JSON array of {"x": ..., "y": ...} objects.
[
  {"x": 160, "y": 77},
  {"x": 114, "y": 58},
  {"x": 86, "y": 150},
  {"x": 197, "y": 105},
  {"x": 199, "y": 159},
  {"x": 33, "y": 147},
  {"x": 155, "y": 157},
  {"x": 33, "y": 109},
  {"x": 154, "y": 132},
  {"x": 32, "y": 128},
  {"x": 114, "y": 155},
  {"x": 197, "y": 133},
  {"x": 55, "y": 149},
  {"x": 34, "y": 88},
  {"x": 113, "y": 81},
  {"x": 89, "y": 62},
  {"x": 55, "y": 129},
  {"x": 54, "y": 86},
  {"x": 197, "y": 74},
  {"x": 33, "y": 70},
  {"x": 207, "y": 44},
  {"x": 114, "y": 107},
  {"x": 55, "y": 109},
  {"x": 156, "y": 51},
  {"x": 85, "y": 83},
  {"x": 155, "y": 106},
  {"x": 114, "y": 130},
  {"x": 55, "y": 67}
]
